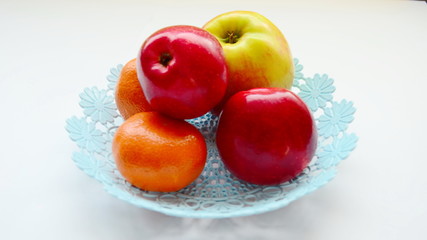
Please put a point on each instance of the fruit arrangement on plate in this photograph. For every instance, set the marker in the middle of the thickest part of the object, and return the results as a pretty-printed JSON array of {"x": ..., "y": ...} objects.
[{"x": 213, "y": 121}]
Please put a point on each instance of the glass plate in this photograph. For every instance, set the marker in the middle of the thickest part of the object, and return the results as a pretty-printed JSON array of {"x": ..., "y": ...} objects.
[{"x": 216, "y": 193}]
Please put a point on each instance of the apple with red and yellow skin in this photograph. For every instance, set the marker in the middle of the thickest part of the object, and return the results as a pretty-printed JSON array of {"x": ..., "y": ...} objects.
[
  {"x": 256, "y": 51},
  {"x": 266, "y": 136},
  {"x": 182, "y": 71}
]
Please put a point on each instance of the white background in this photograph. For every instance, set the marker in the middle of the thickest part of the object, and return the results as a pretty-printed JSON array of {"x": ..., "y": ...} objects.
[{"x": 376, "y": 51}]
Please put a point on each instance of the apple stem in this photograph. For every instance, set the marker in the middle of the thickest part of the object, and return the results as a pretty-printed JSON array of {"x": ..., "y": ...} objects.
[
  {"x": 165, "y": 58},
  {"x": 231, "y": 37}
]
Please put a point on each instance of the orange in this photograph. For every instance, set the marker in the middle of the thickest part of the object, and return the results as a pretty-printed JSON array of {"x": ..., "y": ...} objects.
[
  {"x": 130, "y": 98},
  {"x": 157, "y": 153}
]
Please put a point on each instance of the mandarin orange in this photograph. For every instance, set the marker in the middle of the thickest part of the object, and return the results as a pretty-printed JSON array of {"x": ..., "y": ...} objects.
[
  {"x": 157, "y": 153},
  {"x": 130, "y": 98}
]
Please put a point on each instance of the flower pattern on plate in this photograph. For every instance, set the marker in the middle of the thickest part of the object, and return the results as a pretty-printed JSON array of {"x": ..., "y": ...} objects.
[
  {"x": 98, "y": 105},
  {"x": 94, "y": 167},
  {"x": 114, "y": 76},
  {"x": 298, "y": 75},
  {"x": 339, "y": 149},
  {"x": 86, "y": 135},
  {"x": 336, "y": 119},
  {"x": 317, "y": 91}
]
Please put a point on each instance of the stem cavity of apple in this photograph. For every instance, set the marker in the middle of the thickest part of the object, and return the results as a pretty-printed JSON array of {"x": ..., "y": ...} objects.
[
  {"x": 231, "y": 37},
  {"x": 165, "y": 58}
]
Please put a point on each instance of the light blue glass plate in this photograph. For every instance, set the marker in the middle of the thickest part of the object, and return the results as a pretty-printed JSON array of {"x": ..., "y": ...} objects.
[{"x": 216, "y": 193}]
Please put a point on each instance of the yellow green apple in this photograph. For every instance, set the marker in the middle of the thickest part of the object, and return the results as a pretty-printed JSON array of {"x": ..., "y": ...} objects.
[{"x": 256, "y": 52}]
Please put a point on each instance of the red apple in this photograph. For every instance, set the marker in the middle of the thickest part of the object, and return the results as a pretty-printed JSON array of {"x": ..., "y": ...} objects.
[
  {"x": 182, "y": 71},
  {"x": 266, "y": 136}
]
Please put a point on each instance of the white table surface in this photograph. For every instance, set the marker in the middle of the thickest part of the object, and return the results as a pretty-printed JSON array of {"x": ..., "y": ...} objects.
[{"x": 375, "y": 50}]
